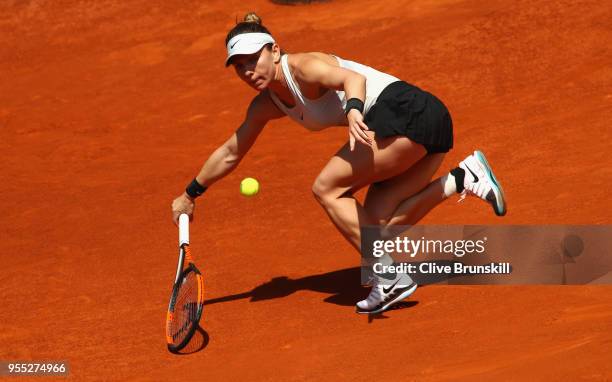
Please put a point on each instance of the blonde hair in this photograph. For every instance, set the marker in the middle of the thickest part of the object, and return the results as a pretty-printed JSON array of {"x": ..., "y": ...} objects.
[{"x": 252, "y": 17}]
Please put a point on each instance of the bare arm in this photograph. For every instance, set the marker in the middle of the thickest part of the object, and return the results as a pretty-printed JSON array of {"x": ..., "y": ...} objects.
[{"x": 226, "y": 158}]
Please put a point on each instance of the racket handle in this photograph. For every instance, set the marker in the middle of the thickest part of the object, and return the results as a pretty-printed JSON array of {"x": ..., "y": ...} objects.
[{"x": 183, "y": 229}]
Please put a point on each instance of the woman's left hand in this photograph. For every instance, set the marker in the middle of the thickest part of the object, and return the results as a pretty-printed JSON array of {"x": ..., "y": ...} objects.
[{"x": 357, "y": 129}]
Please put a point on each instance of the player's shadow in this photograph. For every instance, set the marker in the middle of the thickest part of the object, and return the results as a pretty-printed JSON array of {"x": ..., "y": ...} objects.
[{"x": 342, "y": 285}]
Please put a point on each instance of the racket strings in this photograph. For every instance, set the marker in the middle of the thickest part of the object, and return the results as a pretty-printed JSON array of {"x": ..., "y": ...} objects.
[{"x": 185, "y": 308}]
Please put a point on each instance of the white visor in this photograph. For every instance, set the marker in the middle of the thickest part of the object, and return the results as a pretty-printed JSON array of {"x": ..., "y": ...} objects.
[{"x": 247, "y": 43}]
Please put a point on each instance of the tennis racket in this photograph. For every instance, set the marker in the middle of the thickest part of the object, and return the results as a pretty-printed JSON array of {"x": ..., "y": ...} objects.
[{"x": 187, "y": 300}]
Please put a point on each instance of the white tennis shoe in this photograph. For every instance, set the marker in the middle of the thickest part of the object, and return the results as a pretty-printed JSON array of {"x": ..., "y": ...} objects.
[
  {"x": 480, "y": 181},
  {"x": 382, "y": 297}
]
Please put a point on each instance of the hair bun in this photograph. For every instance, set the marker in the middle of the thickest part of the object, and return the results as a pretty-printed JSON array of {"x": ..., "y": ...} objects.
[{"x": 252, "y": 17}]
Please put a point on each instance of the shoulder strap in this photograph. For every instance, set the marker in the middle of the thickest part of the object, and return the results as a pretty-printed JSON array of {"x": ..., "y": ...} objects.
[{"x": 292, "y": 85}]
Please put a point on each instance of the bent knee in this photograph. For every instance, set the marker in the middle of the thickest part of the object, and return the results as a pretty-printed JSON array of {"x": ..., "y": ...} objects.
[
  {"x": 320, "y": 190},
  {"x": 325, "y": 191}
]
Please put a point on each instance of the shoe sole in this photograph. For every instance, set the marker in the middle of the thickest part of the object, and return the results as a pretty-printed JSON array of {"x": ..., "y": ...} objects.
[
  {"x": 499, "y": 206},
  {"x": 399, "y": 298}
]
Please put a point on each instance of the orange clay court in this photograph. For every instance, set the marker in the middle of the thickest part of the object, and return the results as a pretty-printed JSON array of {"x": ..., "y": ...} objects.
[{"x": 108, "y": 108}]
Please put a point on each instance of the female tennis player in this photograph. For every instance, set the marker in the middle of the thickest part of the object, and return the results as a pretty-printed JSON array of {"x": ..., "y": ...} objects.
[{"x": 398, "y": 135}]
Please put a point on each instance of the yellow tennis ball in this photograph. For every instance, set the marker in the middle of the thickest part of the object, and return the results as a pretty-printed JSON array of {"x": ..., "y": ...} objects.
[{"x": 249, "y": 186}]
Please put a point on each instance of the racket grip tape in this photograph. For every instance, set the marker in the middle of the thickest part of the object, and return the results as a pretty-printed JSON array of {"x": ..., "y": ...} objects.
[{"x": 183, "y": 229}]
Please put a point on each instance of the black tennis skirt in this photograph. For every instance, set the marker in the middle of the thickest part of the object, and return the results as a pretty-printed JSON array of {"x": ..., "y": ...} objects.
[{"x": 404, "y": 109}]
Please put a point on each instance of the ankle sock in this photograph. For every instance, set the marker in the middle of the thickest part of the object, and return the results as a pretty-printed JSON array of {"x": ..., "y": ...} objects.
[
  {"x": 448, "y": 185},
  {"x": 459, "y": 174},
  {"x": 453, "y": 181}
]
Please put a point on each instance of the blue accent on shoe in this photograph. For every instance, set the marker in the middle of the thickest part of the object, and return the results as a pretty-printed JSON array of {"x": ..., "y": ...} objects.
[{"x": 499, "y": 205}]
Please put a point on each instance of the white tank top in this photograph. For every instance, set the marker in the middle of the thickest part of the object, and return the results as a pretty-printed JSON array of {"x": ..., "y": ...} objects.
[{"x": 328, "y": 110}]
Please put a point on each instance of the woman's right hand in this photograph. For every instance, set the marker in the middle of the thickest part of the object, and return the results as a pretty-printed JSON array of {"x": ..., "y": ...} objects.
[
  {"x": 182, "y": 205},
  {"x": 357, "y": 129}
]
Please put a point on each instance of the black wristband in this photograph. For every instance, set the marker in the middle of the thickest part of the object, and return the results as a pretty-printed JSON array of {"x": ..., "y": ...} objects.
[
  {"x": 195, "y": 189},
  {"x": 354, "y": 103}
]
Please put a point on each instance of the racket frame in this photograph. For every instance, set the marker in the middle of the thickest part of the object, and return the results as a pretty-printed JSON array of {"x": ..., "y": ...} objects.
[{"x": 184, "y": 254}]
